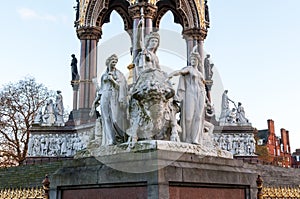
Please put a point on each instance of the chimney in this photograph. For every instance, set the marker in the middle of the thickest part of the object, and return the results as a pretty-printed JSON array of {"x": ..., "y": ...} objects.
[
  {"x": 271, "y": 126},
  {"x": 288, "y": 141},
  {"x": 284, "y": 139}
]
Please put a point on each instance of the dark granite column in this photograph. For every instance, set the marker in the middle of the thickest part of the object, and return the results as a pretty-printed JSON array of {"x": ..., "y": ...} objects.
[{"x": 89, "y": 37}]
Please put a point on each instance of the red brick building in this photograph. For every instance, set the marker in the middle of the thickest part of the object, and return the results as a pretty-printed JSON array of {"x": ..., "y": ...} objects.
[
  {"x": 296, "y": 159},
  {"x": 278, "y": 147}
]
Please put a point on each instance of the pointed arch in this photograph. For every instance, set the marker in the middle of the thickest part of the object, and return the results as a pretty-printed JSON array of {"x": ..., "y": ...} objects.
[
  {"x": 184, "y": 11},
  {"x": 121, "y": 7},
  {"x": 98, "y": 12}
]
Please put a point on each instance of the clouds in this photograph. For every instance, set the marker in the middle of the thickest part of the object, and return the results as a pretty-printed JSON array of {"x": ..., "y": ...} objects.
[{"x": 30, "y": 14}]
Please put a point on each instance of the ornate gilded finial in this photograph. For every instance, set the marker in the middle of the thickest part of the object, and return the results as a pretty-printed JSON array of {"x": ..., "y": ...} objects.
[
  {"x": 46, "y": 186},
  {"x": 259, "y": 183}
]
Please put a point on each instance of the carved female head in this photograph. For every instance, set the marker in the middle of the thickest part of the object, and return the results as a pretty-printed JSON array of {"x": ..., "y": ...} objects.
[
  {"x": 111, "y": 62},
  {"x": 152, "y": 41},
  {"x": 195, "y": 60}
]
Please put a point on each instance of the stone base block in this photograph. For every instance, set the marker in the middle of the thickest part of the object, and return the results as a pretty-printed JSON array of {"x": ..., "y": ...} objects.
[{"x": 153, "y": 174}]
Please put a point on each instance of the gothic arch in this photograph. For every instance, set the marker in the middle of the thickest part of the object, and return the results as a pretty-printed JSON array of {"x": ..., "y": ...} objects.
[
  {"x": 188, "y": 13},
  {"x": 162, "y": 10},
  {"x": 121, "y": 8},
  {"x": 184, "y": 11},
  {"x": 94, "y": 9},
  {"x": 98, "y": 12}
]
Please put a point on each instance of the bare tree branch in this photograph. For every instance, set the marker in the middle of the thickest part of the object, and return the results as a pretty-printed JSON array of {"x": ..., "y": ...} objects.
[{"x": 18, "y": 104}]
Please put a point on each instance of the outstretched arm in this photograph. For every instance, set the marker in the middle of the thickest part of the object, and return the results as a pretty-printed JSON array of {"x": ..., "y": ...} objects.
[{"x": 183, "y": 71}]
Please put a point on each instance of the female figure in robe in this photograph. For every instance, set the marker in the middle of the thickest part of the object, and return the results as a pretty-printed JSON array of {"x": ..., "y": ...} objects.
[
  {"x": 192, "y": 94},
  {"x": 240, "y": 116},
  {"x": 146, "y": 58},
  {"x": 112, "y": 98}
]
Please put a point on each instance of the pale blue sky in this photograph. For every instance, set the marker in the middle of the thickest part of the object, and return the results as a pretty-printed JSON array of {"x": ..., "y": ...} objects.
[{"x": 254, "y": 46}]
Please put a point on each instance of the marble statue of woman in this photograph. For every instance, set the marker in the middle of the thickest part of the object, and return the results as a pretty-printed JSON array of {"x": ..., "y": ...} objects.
[
  {"x": 147, "y": 58},
  {"x": 225, "y": 109},
  {"x": 112, "y": 98},
  {"x": 59, "y": 109},
  {"x": 240, "y": 115},
  {"x": 49, "y": 113},
  {"x": 191, "y": 92}
]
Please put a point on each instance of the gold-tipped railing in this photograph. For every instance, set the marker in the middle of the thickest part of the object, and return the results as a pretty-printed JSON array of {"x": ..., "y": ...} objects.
[
  {"x": 27, "y": 193},
  {"x": 278, "y": 192},
  {"x": 281, "y": 192}
]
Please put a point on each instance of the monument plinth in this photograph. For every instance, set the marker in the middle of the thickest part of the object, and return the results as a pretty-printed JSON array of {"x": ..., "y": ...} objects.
[
  {"x": 154, "y": 174},
  {"x": 146, "y": 139}
]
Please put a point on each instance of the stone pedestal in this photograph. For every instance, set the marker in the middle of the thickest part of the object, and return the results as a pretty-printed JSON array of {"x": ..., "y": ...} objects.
[
  {"x": 153, "y": 174},
  {"x": 237, "y": 139}
]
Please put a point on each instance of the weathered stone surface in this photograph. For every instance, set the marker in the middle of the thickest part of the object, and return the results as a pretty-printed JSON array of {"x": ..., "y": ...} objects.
[
  {"x": 143, "y": 146},
  {"x": 187, "y": 168}
]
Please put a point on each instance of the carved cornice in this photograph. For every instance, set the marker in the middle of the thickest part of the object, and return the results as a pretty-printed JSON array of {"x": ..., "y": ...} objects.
[
  {"x": 149, "y": 10},
  {"x": 195, "y": 34},
  {"x": 92, "y": 33}
]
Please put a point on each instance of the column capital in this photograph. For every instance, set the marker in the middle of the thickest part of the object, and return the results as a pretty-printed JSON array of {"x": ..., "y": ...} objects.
[
  {"x": 194, "y": 34},
  {"x": 149, "y": 10},
  {"x": 87, "y": 32}
]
